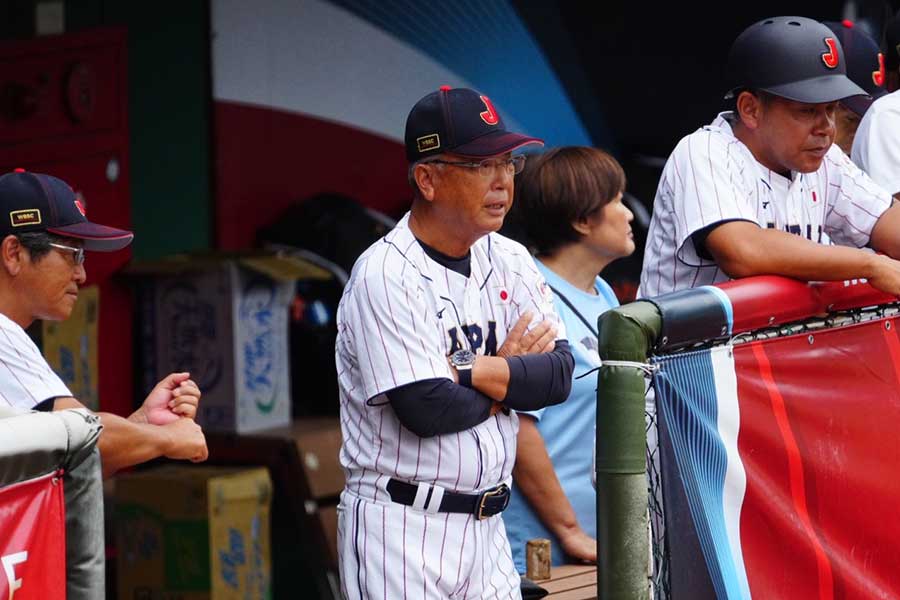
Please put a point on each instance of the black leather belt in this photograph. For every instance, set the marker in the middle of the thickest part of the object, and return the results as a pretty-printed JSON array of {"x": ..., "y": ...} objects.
[{"x": 486, "y": 504}]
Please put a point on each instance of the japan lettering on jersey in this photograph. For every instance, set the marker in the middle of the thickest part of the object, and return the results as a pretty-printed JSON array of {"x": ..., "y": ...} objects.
[
  {"x": 400, "y": 317},
  {"x": 712, "y": 177}
]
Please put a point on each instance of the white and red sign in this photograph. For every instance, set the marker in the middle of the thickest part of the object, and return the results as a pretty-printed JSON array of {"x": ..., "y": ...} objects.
[{"x": 33, "y": 540}]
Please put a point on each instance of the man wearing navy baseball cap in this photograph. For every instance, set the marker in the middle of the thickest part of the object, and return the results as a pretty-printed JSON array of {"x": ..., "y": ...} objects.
[
  {"x": 865, "y": 68},
  {"x": 876, "y": 148},
  {"x": 444, "y": 330},
  {"x": 44, "y": 233}
]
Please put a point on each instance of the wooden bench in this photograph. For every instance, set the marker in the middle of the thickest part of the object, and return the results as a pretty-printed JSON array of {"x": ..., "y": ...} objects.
[{"x": 571, "y": 582}]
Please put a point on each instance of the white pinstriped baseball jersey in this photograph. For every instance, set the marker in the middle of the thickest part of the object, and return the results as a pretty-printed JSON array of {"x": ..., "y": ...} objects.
[
  {"x": 25, "y": 377},
  {"x": 876, "y": 147},
  {"x": 712, "y": 176},
  {"x": 401, "y": 315}
]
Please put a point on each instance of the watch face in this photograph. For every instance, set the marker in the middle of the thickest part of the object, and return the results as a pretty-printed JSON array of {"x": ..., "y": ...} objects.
[{"x": 462, "y": 358}]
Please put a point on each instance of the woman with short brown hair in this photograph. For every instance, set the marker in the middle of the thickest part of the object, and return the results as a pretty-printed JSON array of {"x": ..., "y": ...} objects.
[{"x": 568, "y": 205}]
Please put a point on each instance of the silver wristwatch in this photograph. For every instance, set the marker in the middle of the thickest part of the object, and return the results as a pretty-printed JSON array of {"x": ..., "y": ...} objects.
[{"x": 462, "y": 360}]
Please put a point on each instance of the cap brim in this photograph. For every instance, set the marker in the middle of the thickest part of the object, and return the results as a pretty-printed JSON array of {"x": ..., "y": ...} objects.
[
  {"x": 818, "y": 90},
  {"x": 97, "y": 238},
  {"x": 860, "y": 104},
  {"x": 494, "y": 143}
]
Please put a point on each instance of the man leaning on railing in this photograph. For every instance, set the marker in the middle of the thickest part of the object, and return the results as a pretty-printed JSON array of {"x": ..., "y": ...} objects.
[{"x": 44, "y": 234}]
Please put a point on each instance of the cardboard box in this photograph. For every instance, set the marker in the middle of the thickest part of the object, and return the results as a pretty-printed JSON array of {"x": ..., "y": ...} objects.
[
  {"x": 223, "y": 318},
  {"x": 70, "y": 347},
  {"x": 303, "y": 460},
  {"x": 193, "y": 533}
]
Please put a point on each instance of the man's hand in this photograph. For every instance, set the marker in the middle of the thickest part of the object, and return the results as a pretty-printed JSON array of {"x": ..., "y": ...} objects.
[
  {"x": 186, "y": 440},
  {"x": 174, "y": 397},
  {"x": 885, "y": 274},
  {"x": 579, "y": 545},
  {"x": 539, "y": 340}
]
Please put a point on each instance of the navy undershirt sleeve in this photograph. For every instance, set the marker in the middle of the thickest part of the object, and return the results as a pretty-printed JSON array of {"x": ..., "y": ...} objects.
[
  {"x": 46, "y": 405},
  {"x": 436, "y": 406},
  {"x": 699, "y": 237},
  {"x": 539, "y": 380}
]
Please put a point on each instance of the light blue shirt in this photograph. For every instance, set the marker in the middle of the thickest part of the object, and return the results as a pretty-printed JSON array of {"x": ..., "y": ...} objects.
[{"x": 567, "y": 428}]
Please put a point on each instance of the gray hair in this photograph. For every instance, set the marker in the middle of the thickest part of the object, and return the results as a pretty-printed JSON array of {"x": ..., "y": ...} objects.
[
  {"x": 36, "y": 242},
  {"x": 411, "y": 173}
]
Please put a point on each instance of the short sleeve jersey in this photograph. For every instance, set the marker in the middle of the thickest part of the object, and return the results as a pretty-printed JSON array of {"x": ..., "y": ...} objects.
[
  {"x": 876, "y": 147},
  {"x": 26, "y": 379},
  {"x": 401, "y": 315},
  {"x": 712, "y": 177}
]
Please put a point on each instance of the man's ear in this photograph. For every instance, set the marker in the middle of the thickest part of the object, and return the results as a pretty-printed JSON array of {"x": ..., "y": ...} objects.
[
  {"x": 11, "y": 254},
  {"x": 425, "y": 179},
  {"x": 749, "y": 109}
]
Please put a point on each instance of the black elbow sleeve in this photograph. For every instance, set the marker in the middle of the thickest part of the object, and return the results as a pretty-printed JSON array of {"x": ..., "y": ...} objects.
[
  {"x": 438, "y": 406},
  {"x": 539, "y": 380}
]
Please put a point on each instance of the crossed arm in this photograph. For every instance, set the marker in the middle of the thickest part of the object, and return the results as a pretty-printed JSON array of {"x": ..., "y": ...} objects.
[
  {"x": 493, "y": 375},
  {"x": 163, "y": 426},
  {"x": 437, "y": 406}
]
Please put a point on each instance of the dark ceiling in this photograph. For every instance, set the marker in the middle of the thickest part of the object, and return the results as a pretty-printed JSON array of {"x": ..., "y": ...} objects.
[{"x": 653, "y": 72}]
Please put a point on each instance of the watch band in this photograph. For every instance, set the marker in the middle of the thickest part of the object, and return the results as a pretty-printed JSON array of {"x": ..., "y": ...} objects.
[{"x": 465, "y": 377}]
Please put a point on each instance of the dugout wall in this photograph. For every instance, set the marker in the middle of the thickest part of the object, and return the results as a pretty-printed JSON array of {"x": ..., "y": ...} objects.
[
  {"x": 51, "y": 506},
  {"x": 776, "y": 401}
]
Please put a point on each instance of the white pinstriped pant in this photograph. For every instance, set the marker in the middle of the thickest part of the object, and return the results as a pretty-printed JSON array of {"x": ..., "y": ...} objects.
[{"x": 394, "y": 552}]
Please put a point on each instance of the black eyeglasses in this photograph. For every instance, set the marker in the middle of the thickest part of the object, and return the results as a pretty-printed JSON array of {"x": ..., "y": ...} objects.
[
  {"x": 487, "y": 167},
  {"x": 77, "y": 253}
]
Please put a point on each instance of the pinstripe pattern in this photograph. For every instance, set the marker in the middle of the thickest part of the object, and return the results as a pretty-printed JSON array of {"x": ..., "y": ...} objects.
[
  {"x": 711, "y": 176},
  {"x": 389, "y": 335},
  {"x": 25, "y": 377},
  {"x": 876, "y": 147},
  {"x": 412, "y": 555},
  {"x": 400, "y": 317}
]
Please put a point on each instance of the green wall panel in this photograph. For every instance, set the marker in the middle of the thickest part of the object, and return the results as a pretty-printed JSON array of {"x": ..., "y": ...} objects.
[{"x": 168, "y": 111}]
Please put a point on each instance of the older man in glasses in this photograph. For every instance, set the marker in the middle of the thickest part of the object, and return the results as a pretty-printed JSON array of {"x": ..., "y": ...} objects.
[
  {"x": 444, "y": 330},
  {"x": 44, "y": 236}
]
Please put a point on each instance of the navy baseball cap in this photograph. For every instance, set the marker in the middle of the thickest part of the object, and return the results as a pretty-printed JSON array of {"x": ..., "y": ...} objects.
[
  {"x": 865, "y": 64},
  {"x": 461, "y": 121},
  {"x": 37, "y": 202}
]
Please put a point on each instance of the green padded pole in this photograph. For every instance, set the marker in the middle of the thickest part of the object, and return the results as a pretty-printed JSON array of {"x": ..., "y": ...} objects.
[{"x": 626, "y": 333}]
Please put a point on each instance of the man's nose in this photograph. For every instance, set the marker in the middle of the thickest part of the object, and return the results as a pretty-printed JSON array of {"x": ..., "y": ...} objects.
[
  {"x": 503, "y": 175},
  {"x": 825, "y": 123}
]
